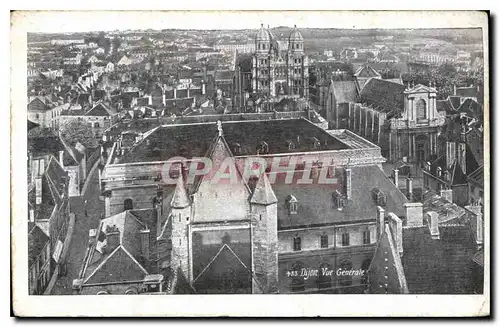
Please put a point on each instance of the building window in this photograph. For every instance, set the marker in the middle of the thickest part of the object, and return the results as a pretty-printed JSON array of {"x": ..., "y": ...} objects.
[
  {"x": 421, "y": 109},
  {"x": 128, "y": 204},
  {"x": 324, "y": 241},
  {"x": 297, "y": 243},
  {"x": 366, "y": 237},
  {"x": 345, "y": 239},
  {"x": 292, "y": 205}
]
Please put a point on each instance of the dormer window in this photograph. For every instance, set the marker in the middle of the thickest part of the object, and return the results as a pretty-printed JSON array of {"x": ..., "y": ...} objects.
[
  {"x": 379, "y": 197},
  {"x": 438, "y": 171},
  {"x": 263, "y": 148},
  {"x": 316, "y": 143},
  {"x": 339, "y": 200},
  {"x": 290, "y": 145},
  {"x": 236, "y": 149},
  {"x": 292, "y": 204}
]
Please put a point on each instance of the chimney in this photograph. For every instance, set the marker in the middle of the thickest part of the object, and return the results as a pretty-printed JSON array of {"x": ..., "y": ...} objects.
[
  {"x": 477, "y": 224},
  {"x": 414, "y": 214},
  {"x": 454, "y": 89},
  {"x": 461, "y": 157},
  {"x": 112, "y": 238},
  {"x": 145, "y": 244},
  {"x": 380, "y": 221},
  {"x": 203, "y": 88},
  {"x": 432, "y": 221},
  {"x": 447, "y": 194},
  {"x": 38, "y": 190},
  {"x": 32, "y": 215},
  {"x": 61, "y": 158},
  {"x": 396, "y": 227},
  {"x": 348, "y": 184},
  {"x": 92, "y": 236},
  {"x": 395, "y": 177},
  {"x": 409, "y": 188},
  {"x": 451, "y": 151}
]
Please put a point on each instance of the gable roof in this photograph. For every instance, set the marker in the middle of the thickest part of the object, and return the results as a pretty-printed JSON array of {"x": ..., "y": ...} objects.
[
  {"x": 37, "y": 105},
  {"x": 386, "y": 271},
  {"x": 441, "y": 266},
  {"x": 99, "y": 110},
  {"x": 366, "y": 71},
  {"x": 389, "y": 96},
  {"x": 37, "y": 239},
  {"x": 345, "y": 91},
  {"x": 118, "y": 266}
]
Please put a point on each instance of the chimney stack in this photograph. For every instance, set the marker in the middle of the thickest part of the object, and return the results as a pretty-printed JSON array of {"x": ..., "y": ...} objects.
[
  {"x": 451, "y": 151},
  {"x": 461, "y": 157},
  {"x": 38, "y": 190},
  {"x": 145, "y": 245},
  {"x": 432, "y": 221},
  {"x": 61, "y": 158},
  {"x": 395, "y": 176},
  {"x": 32, "y": 215},
  {"x": 414, "y": 214},
  {"x": 409, "y": 188},
  {"x": 348, "y": 183},
  {"x": 92, "y": 236},
  {"x": 380, "y": 221},
  {"x": 477, "y": 224},
  {"x": 447, "y": 194},
  {"x": 396, "y": 227}
]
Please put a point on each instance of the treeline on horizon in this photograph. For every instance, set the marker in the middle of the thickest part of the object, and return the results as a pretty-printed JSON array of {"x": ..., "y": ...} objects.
[{"x": 466, "y": 35}]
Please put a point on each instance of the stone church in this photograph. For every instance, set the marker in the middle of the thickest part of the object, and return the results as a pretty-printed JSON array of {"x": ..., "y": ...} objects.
[{"x": 278, "y": 68}]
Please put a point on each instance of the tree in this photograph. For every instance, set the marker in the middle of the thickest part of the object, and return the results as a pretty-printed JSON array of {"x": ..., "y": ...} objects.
[{"x": 75, "y": 131}]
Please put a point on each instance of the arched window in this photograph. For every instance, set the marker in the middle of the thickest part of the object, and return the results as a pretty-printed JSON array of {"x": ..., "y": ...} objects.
[
  {"x": 128, "y": 204},
  {"x": 421, "y": 109}
]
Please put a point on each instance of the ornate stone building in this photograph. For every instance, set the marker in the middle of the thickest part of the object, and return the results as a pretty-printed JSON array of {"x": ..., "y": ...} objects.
[
  {"x": 277, "y": 68},
  {"x": 250, "y": 236}
]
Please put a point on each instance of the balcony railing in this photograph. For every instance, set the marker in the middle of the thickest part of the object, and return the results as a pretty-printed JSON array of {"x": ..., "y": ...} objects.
[{"x": 403, "y": 123}]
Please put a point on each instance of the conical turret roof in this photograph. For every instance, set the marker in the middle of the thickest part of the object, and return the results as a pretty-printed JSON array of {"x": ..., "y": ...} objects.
[
  {"x": 180, "y": 199},
  {"x": 263, "y": 193}
]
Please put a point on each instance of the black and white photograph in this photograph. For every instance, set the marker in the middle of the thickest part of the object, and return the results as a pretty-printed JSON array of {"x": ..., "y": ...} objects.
[{"x": 260, "y": 154}]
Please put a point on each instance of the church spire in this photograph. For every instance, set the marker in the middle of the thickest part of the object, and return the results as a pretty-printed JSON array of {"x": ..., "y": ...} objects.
[
  {"x": 263, "y": 193},
  {"x": 180, "y": 199}
]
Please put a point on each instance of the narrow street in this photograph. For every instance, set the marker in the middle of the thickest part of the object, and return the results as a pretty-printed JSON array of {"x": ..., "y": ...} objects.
[{"x": 95, "y": 208}]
